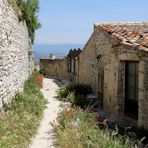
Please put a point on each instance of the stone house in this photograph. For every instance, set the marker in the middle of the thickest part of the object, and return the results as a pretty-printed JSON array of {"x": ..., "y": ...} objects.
[{"x": 115, "y": 63}]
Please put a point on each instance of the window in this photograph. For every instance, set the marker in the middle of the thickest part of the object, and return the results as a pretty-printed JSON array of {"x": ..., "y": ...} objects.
[
  {"x": 73, "y": 65},
  {"x": 131, "y": 88},
  {"x": 69, "y": 64},
  {"x": 132, "y": 80}
]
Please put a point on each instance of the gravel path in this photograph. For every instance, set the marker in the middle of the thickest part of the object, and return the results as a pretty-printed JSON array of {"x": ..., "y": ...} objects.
[{"x": 45, "y": 134}]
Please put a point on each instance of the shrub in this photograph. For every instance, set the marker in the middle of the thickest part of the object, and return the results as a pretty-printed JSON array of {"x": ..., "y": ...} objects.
[
  {"x": 75, "y": 93},
  {"x": 63, "y": 92},
  {"x": 76, "y": 99},
  {"x": 21, "y": 118},
  {"x": 71, "y": 97},
  {"x": 80, "y": 100},
  {"x": 27, "y": 10},
  {"x": 81, "y": 89}
]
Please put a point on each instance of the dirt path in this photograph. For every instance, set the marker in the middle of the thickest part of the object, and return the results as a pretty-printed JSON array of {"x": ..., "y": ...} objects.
[{"x": 45, "y": 134}]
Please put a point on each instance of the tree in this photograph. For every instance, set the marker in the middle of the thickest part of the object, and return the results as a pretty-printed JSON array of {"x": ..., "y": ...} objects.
[{"x": 30, "y": 8}]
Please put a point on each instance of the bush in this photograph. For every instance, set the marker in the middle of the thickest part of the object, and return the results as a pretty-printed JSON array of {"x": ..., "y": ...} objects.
[
  {"x": 64, "y": 91},
  {"x": 81, "y": 101},
  {"x": 71, "y": 97},
  {"x": 81, "y": 89},
  {"x": 75, "y": 94},
  {"x": 27, "y": 10},
  {"x": 21, "y": 118}
]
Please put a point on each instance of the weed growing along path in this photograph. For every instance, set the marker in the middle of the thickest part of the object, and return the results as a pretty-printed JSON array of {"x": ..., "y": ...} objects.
[{"x": 45, "y": 134}]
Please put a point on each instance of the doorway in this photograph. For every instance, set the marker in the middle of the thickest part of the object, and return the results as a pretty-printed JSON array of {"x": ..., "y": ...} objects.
[{"x": 131, "y": 88}]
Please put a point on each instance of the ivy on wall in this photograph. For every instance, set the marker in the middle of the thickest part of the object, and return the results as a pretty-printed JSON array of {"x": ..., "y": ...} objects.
[{"x": 27, "y": 10}]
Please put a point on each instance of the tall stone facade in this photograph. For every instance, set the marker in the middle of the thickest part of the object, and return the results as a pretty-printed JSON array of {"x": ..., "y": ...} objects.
[
  {"x": 102, "y": 64},
  {"x": 16, "y": 56}
]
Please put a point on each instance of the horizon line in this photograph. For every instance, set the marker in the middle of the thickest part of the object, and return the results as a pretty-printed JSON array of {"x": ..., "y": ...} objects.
[{"x": 57, "y": 43}]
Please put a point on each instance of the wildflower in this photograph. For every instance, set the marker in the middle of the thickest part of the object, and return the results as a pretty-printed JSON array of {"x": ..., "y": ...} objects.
[
  {"x": 67, "y": 113},
  {"x": 39, "y": 78},
  {"x": 104, "y": 122},
  {"x": 97, "y": 116}
]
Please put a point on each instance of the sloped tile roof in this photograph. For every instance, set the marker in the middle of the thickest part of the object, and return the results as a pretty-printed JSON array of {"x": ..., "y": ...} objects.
[{"x": 133, "y": 33}]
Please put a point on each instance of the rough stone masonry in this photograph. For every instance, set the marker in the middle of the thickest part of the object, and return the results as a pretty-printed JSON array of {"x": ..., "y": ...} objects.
[{"x": 16, "y": 58}]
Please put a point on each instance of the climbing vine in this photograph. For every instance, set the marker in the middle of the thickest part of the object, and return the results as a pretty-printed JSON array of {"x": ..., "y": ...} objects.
[{"x": 27, "y": 10}]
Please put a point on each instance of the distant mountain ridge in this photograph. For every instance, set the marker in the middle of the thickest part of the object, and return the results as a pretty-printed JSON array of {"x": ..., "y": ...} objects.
[{"x": 59, "y": 50}]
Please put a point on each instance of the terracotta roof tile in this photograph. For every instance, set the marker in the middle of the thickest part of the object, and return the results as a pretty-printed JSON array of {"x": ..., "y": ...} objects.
[{"x": 133, "y": 33}]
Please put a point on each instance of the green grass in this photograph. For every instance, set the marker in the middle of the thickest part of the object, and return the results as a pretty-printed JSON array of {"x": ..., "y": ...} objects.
[
  {"x": 20, "y": 119},
  {"x": 76, "y": 128}
]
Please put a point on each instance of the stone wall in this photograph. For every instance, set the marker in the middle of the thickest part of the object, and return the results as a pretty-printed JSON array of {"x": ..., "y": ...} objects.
[
  {"x": 56, "y": 68},
  {"x": 16, "y": 58},
  {"x": 66, "y": 68},
  {"x": 97, "y": 67},
  {"x": 87, "y": 64},
  {"x": 143, "y": 95}
]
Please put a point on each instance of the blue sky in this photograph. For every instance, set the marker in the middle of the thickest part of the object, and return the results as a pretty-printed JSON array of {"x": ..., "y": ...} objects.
[{"x": 71, "y": 21}]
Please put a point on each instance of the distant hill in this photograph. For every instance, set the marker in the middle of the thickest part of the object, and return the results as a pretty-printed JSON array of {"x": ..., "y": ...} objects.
[{"x": 59, "y": 50}]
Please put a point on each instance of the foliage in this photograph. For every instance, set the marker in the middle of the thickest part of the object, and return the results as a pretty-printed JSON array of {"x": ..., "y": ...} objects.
[
  {"x": 76, "y": 99},
  {"x": 106, "y": 132},
  {"x": 63, "y": 91},
  {"x": 141, "y": 133},
  {"x": 20, "y": 119},
  {"x": 75, "y": 93},
  {"x": 77, "y": 128},
  {"x": 27, "y": 10},
  {"x": 78, "y": 89}
]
